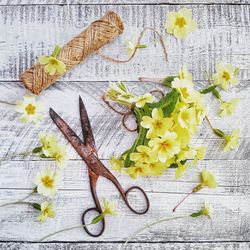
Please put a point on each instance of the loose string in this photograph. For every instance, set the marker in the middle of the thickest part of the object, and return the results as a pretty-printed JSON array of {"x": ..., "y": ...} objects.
[
  {"x": 123, "y": 114},
  {"x": 111, "y": 59}
]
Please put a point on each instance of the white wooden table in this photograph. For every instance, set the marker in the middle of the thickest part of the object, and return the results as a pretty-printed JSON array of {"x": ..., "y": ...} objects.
[{"x": 29, "y": 28}]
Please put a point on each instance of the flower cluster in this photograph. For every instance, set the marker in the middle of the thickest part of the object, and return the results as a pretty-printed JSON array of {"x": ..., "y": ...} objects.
[{"x": 165, "y": 129}]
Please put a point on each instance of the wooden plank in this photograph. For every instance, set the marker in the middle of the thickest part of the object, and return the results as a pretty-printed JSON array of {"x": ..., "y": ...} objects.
[
  {"x": 234, "y": 181},
  {"x": 28, "y": 31},
  {"x": 119, "y": 246},
  {"x": 119, "y": 2},
  {"x": 110, "y": 137},
  {"x": 231, "y": 218}
]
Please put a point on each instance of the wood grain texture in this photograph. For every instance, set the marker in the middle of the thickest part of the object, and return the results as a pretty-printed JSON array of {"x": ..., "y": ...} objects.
[
  {"x": 119, "y": 246},
  {"x": 111, "y": 138},
  {"x": 119, "y": 2},
  {"x": 223, "y": 35},
  {"x": 70, "y": 206}
]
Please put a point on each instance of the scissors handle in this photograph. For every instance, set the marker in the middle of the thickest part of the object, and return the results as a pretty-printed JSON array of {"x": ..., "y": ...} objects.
[
  {"x": 144, "y": 195},
  {"x": 102, "y": 221}
]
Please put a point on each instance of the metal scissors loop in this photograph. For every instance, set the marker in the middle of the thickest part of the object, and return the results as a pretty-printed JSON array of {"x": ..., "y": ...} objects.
[{"x": 87, "y": 151}]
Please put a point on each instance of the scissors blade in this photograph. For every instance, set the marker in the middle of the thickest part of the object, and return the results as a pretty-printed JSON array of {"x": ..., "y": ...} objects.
[
  {"x": 86, "y": 127},
  {"x": 71, "y": 136}
]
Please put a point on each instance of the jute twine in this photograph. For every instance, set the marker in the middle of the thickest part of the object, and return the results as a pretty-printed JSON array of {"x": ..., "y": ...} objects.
[{"x": 96, "y": 35}]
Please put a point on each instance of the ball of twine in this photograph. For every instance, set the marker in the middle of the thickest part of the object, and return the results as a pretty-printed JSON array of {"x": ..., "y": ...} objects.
[{"x": 96, "y": 35}]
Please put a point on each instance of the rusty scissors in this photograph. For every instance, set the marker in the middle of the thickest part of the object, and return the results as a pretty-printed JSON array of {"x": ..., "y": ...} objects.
[{"x": 87, "y": 151}]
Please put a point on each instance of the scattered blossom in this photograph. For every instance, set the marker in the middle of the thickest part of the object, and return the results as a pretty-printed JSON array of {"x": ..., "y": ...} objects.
[
  {"x": 226, "y": 75},
  {"x": 31, "y": 110},
  {"x": 180, "y": 23},
  {"x": 232, "y": 141},
  {"x": 47, "y": 210},
  {"x": 47, "y": 182},
  {"x": 227, "y": 108}
]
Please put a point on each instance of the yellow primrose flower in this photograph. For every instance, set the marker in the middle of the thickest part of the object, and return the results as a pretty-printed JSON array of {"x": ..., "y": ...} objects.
[
  {"x": 187, "y": 118},
  {"x": 109, "y": 207},
  {"x": 140, "y": 101},
  {"x": 181, "y": 169},
  {"x": 139, "y": 169},
  {"x": 184, "y": 74},
  {"x": 180, "y": 23},
  {"x": 49, "y": 143},
  {"x": 227, "y": 108},
  {"x": 47, "y": 182},
  {"x": 185, "y": 88},
  {"x": 47, "y": 210},
  {"x": 166, "y": 146},
  {"x": 52, "y": 64},
  {"x": 232, "y": 141},
  {"x": 185, "y": 154},
  {"x": 30, "y": 109},
  {"x": 156, "y": 168},
  {"x": 225, "y": 75},
  {"x": 207, "y": 179},
  {"x": 200, "y": 108},
  {"x": 207, "y": 210},
  {"x": 158, "y": 124},
  {"x": 183, "y": 135},
  {"x": 60, "y": 154},
  {"x": 200, "y": 152},
  {"x": 116, "y": 164},
  {"x": 143, "y": 154},
  {"x": 118, "y": 92}
]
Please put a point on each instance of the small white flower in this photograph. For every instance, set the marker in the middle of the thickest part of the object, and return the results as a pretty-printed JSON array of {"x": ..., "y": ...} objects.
[
  {"x": 47, "y": 182},
  {"x": 30, "y": 109}
]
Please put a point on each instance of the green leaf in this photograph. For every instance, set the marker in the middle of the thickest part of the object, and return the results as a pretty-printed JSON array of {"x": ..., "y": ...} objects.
[
  {"x": 219, "y": 132},
  {"x": 196, "y": 214},
  {"x": 35, "y": 190},
  {"x": 56, "y": 51},
  {"x": 43, "y": 156},
  {"x": 174, "y": 165},
  {"x": 209, "y": 89},
  {"x": 36, "y": 206},
  {"x": 167, "y": 81},
  {"x": 97, "y": 218},
  {"x": 216, "y": 93},
  {"x": 37, "y": 150},
  {"x": 236, "y": 71},
  {"x": 142, "y": 46}
]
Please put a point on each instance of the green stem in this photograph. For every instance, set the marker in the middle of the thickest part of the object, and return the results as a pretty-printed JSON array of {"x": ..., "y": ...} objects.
[
  {"x": 63, "y": 230},
  {"x": 8, "y": 103},
  {"x": 152, "y": 224},
  {"x": 21, "y": 201},
  {"x": 13, "y": 155},
  {"x": 209, "y": 123}
]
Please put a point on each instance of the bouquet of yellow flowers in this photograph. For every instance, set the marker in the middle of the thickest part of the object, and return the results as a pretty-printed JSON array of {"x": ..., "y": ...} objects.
[{"x": 165, "y": 127}]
